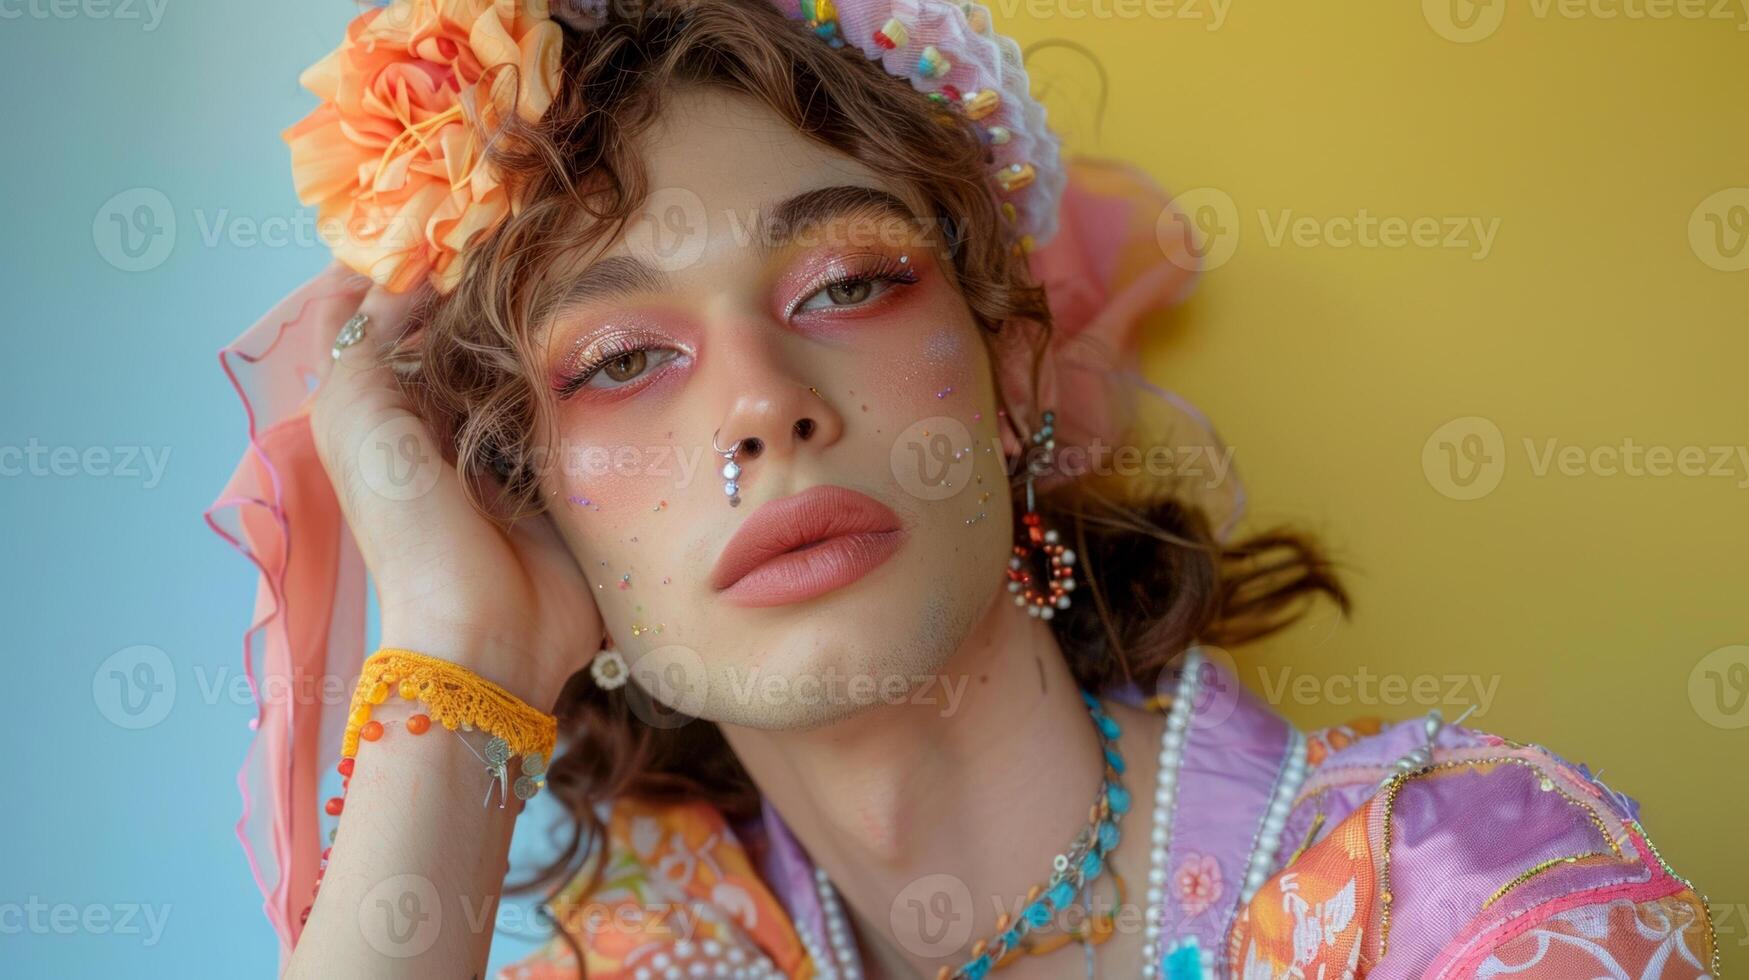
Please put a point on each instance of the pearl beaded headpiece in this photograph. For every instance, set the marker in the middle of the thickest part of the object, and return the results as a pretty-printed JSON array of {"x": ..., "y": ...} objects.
[{"x": 949, "y": 52}]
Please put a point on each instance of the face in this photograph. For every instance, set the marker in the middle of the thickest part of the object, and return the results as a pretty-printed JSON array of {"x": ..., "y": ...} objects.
[{"x": 779, "y": 291}]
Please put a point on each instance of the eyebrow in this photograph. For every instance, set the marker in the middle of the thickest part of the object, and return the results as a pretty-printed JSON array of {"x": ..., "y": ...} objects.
[{"x": 625, "y": 275}]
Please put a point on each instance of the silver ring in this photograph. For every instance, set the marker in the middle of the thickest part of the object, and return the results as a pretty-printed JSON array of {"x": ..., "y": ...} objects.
[
  {"x": 350, "y": 333},
  {"x": 724, "y": 452}
]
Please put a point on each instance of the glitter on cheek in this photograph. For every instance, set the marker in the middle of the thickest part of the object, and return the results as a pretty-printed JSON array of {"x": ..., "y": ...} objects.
[{"x": 944, "y": 347}]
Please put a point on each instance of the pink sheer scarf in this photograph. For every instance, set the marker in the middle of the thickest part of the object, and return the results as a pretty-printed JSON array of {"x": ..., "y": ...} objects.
[{"x": 1118, "y": 256}]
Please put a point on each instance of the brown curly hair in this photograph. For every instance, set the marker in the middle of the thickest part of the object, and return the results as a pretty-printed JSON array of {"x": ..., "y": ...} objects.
[{"x": 1158, "y": 577}]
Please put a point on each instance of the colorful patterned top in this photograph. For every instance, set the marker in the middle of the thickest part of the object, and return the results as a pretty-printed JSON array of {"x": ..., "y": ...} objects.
[{"x": 1410, "y": 850}]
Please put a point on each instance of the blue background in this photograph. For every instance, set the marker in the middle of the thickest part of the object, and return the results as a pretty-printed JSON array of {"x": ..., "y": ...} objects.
[{"x": 99, "y": 816}]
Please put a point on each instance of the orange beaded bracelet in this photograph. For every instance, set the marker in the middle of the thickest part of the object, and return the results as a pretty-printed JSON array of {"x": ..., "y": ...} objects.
[{"x": 455, "y": 697}]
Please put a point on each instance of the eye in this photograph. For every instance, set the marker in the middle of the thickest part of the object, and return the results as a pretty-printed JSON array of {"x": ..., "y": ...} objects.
[
  {"x": 856, "y": 289},
  {"x": 626, "y": 367},
  {"x": 619, "y": 367}
]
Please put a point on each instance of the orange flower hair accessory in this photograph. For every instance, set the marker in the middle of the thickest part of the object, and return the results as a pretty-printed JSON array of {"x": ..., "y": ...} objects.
[{"x": 394, "y": 157}]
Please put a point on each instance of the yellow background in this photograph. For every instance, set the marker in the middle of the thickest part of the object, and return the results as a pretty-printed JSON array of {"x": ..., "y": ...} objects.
[{"x": 1589, "y": 599}]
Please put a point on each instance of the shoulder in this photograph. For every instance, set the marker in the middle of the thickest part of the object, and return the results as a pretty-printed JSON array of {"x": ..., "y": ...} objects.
[{"x": 1432, "y": 850}]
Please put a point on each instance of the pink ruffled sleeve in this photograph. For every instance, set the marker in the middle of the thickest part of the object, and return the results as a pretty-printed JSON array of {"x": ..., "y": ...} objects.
[{"x": 304, "y": 643}]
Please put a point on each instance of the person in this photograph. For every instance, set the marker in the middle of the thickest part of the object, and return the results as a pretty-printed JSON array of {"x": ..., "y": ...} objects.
[{"x": 729, "y": 402}]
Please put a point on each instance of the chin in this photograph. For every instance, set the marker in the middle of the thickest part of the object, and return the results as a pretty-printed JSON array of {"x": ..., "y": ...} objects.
[{"x": 837, "y": 658}]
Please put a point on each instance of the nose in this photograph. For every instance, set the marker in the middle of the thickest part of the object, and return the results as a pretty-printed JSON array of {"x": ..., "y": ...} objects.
[
  {"x": 774, "y": 415},
  {"x": 776, "y": 422}
]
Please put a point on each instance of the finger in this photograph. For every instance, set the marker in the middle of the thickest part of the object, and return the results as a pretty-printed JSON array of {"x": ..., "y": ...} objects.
[
  {"x": 386, "y": 319},
  {"x": 360, "y": 389},
  {"x": 380, "y": 455}
]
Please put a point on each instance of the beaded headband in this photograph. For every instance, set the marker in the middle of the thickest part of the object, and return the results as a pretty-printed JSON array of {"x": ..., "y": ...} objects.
[
  {"x": 949, "y": 51},
  {"x": 394, "y": 158}
]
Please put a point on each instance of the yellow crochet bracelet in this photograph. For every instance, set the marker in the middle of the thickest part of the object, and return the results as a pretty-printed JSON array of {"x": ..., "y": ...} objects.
[{"x": 455, "y": 697}]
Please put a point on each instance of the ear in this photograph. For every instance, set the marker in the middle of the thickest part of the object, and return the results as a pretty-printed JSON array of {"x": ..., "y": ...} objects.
[{"x": 1013, "y": 352}]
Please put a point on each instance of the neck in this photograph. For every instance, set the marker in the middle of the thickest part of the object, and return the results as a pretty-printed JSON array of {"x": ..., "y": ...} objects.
[{"x": 985, "y": 773}]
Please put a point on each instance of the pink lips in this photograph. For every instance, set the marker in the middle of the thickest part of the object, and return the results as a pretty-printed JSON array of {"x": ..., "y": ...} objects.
[{"x": 805, "y": 545}]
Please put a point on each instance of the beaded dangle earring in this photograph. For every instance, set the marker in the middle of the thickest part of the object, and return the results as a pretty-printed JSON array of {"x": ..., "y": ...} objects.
[{"x": 1042, "y": 603}]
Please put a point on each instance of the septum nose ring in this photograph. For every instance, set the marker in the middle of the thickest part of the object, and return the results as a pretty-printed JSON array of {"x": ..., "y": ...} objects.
[{"x": 731, "y": 468}]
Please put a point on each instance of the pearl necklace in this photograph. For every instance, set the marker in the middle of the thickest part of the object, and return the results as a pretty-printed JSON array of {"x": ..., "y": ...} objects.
[{"x": 1165, "y": 795}]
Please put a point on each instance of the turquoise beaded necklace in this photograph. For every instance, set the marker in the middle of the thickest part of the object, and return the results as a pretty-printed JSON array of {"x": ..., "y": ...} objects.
[{"x": 1075, "y": 868}]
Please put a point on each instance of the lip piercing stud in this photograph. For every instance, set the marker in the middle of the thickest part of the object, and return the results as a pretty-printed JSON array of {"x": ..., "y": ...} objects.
[{"x": 731, "y": 469}]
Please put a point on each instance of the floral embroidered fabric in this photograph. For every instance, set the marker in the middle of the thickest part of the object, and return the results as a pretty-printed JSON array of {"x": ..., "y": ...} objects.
[{"x": 1494, "y": 859}]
